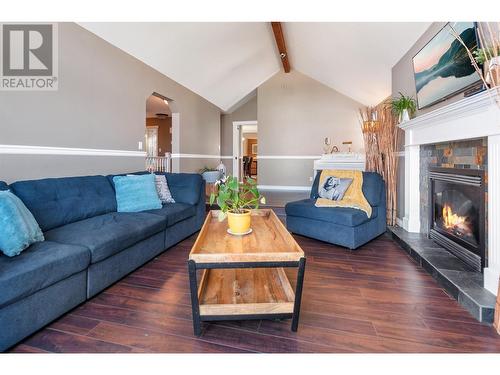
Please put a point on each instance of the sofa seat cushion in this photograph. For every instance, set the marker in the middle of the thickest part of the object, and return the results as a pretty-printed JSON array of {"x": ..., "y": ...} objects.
[
  {"x": 39, "y": 266},
  {"x": 175, "y": 212},
  {"x": 350, "y": 217},
  {"x": 108, "y": 234}
]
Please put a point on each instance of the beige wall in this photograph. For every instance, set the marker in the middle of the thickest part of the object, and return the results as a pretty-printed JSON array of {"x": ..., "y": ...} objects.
[
  {"x": 101, "y": 103},
  {"x": 295, "y": 114},
  {"x": 247, "y": 112}
]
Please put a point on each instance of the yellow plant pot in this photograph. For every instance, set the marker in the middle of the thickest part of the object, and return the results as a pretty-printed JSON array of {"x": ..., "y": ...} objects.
[{"x": 239, "y": 223}]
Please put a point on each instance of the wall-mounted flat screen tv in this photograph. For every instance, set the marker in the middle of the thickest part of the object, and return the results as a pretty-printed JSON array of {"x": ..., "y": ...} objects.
[{"x": 443, "y": 68}]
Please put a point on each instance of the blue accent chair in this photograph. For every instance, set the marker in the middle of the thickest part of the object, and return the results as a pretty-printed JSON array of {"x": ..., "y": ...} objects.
[
  {"x": 348, "y": 227},
  {"x": 88, "y": 245}
]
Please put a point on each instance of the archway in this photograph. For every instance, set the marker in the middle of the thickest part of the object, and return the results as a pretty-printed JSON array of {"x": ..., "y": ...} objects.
[{"x": 161, "y": 136}]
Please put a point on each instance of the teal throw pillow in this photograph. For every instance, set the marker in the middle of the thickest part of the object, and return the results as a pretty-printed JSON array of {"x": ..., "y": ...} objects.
[
  {"x": 136, "y": 193},
  {"x": 18, "y": 227}
]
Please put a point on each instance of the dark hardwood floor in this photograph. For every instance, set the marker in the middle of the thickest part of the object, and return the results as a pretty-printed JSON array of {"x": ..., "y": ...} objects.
[{"x": 375, "y": 299}]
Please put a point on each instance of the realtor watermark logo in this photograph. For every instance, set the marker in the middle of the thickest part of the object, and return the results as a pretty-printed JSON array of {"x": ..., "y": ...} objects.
[{"x": 28, "y": 57}]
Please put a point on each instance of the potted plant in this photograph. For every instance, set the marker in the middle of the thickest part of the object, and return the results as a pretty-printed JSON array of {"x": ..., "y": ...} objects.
[
  {"x": 490, "y": 59},
  {"x": 210, "y": 175},
  {"x": 404, "y": 107},
  {"x": 235, "y": 200}
]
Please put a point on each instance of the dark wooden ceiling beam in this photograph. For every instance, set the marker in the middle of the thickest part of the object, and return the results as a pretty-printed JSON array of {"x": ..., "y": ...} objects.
[{"x": 280, "y": 43}]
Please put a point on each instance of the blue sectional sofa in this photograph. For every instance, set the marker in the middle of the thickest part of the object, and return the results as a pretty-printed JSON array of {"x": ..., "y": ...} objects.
[
  {"x": 88, "y": 245},
  {"x": 346, "y": 227}
]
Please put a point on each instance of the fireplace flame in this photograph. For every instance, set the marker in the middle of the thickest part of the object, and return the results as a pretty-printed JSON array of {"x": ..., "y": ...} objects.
[{"x": 452, "y": 220}]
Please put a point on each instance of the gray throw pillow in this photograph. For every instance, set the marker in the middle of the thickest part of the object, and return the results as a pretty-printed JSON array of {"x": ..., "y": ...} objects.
[
  {"x": 163, "y": 190},
  {"x": 334, "y": 188}
]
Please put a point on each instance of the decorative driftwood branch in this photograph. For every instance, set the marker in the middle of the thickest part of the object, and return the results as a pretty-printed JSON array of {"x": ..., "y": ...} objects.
[
  {"x": 489, "y": 39},
  {"x": 381, "y": 136}
]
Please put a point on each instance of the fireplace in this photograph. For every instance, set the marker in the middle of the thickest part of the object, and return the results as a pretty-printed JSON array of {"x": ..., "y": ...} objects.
[{"x": 457, "y": 213}]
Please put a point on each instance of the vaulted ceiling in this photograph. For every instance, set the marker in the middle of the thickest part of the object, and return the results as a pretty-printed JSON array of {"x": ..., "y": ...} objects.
[{"x": 225, "y": 62}]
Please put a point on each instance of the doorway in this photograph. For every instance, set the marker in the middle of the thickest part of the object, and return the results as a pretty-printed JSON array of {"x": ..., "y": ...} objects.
[
  {"x": 245, "y": 149},
  {"x": 158, "y": 134}
]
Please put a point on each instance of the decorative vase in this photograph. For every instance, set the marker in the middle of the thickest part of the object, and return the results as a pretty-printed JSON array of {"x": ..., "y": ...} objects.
[
  {"x": 405, "y": 116},
  {"x": 239, "y": 223}
]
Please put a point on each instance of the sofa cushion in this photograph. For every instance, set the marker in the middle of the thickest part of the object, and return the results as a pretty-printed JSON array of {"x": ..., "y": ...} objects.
[
  {"x": 175, "y": 212},
  {"x": 58, "y": 201},
  {"x": 3, "y": 186},
  {"x": 338, "y": 215},
  {"x": 39, "y": 266},
  {"x": 108, "y": 234}
]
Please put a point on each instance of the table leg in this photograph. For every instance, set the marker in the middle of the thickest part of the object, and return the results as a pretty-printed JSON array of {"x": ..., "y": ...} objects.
[
  {"x": 298, "y": 294},
  {"x": 195, "y": 305}
]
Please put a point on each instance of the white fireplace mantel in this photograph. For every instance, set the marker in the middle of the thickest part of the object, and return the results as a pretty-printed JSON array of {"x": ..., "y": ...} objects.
[{"x": 474, "y": 117}]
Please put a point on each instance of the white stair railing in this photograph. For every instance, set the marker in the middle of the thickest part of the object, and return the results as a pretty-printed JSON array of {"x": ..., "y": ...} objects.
[{"x": 159, "y": 163}]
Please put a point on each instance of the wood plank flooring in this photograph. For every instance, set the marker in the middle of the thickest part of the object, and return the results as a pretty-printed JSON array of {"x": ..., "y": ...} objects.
[{"x": 375, "y": 299}]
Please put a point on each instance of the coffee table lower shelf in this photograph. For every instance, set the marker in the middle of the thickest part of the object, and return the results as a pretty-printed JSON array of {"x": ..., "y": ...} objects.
[
  {"x": 242, "y": 291},
  {"x": 245, "y": 293}
]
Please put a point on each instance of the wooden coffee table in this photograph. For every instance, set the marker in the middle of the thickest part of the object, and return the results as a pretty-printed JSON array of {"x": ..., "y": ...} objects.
[{"x": 243, "y": 276}]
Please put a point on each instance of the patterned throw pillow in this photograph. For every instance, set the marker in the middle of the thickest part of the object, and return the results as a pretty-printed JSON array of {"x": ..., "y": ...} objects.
[
  {"x": 163, "y": 190},
  {"x": 334, "y": 188}
]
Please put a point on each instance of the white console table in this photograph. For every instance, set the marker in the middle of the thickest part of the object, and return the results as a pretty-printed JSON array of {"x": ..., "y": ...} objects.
[{"x": 340, "y": 161}]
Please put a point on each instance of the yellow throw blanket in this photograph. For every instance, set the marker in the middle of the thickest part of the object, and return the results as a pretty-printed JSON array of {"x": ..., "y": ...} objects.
[{"x": 353, "y": 197}]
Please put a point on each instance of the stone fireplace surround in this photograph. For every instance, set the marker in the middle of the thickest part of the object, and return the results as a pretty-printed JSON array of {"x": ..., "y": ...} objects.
[{"x": 467, "y": 119}]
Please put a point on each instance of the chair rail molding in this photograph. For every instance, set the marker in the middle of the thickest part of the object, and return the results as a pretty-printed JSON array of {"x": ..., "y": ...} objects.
[
  {"x": 48, "y": 150},
  {"x": 289, "y": 157},
  {"x": 473, "y": 117},
  {"x": 200, "y": 156}
]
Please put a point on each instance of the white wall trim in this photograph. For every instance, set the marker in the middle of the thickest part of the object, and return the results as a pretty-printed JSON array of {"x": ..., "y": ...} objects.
[
  {"x": 200, "y": 156},
  {"x": 284, "y": 188},
  {"x": 47, "y": 150},
  {"x": 276, "y": 157}
]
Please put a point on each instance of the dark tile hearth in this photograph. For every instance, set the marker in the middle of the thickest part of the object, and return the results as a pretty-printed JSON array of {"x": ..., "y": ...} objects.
[{"x": 462, "y": 283}]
